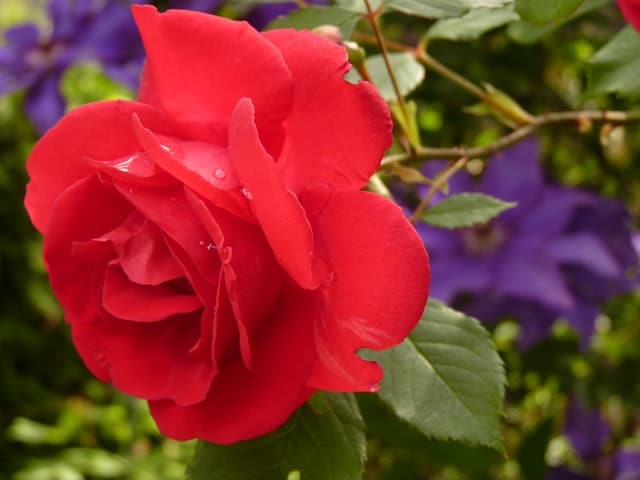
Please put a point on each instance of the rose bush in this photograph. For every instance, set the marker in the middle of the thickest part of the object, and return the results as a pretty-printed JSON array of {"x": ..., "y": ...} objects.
[
  {"x": 210, "y": 244},
  {"x": 631, "y": 11}
]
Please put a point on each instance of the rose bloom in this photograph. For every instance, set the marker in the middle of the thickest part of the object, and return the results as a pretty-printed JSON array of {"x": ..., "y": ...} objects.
[
  {"x": 631, "y": 11},
  {"x": 209, "y": 242}
]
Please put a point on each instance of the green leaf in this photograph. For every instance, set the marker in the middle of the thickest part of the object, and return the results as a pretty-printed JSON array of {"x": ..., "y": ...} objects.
[
  {"x": 487, "y": 3},
  {"x": 324, "y": 440},
  {"x": 465, "y": 210},
  {"x": 473, "y": 24},
  {"x": 429, "y": 8},
  {"x": 616, "y": 66},
  {"x": 409, "y": 74},
  {"x": 446, "y": 379},
  {"x": 312, "y": 17},
  {"x": 546, "y": 11},
  {"x": 527, "y": 33}
]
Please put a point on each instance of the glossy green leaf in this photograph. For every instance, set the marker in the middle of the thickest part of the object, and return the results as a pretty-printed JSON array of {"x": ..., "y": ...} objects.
[
  {"x": 323, "y": 440},
  {"x": 616, "y": 67},
  {"x": 527, "y": 33},
  {"x": 465, "y": 210},
  {"x": 312, "y": 17},
  {"x": 429, "y": 8},
  {"x": 473, "y": 24},
  {"x": 409, "y": 74},
  {"x": 446, "y": 379},
  {"x": 487, "y": 3},
  {"x": 546, "y": 11}
]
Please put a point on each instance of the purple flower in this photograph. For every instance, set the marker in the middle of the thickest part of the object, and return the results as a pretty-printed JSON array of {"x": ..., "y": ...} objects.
[
  {"x": 586, "y": 429},
  {"x": 588, "y": 433},
  {"x": 626, "y": 465},
  {"x": 208, "y": 6},
  {"x": 82, "y": 31},
  {"x": 558, "y": 254}
]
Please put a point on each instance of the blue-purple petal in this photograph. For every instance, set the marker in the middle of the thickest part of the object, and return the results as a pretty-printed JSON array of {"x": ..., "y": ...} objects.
[
  {"x": 44, "y": 104},
  {"x": 515, "y": 176},
  {"x": 584, "y": 249},
  {"x": 208, "y": 6},
  {"x": 586, "y": 429}
]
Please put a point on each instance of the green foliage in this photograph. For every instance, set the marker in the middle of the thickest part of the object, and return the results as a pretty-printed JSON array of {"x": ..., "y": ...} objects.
[
  {"x": 473, "y": 24},
  {"x": 324, "y": 440},
  {"x": 616, "y": 67},
  {"x": 446, "y": 379},
  {"x": 465, "y": 210},
  {"x": 313, "y": 17},
  {"x": 546, "y": 11},
  {"x": 408, "y": 72}
]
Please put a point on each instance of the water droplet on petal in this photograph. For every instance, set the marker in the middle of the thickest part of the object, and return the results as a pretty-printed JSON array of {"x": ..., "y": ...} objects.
[
  {"x": 211, "y": 246},
  {"x": 248, "y": 195},
  {"x": 165, "y": 148},
  {"x": 220, "y": 173}
]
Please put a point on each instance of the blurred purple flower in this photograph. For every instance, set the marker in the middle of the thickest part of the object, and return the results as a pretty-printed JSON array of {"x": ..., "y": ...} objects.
[
  {"x": 586, "y": 429},
  {"x": 626, "y": 465},
  {"x": 208, "y": 6},
  {"x": 558, "y": 254},
  {"x": 82, "y": 31},
  {"x": 588, "y": 433}
]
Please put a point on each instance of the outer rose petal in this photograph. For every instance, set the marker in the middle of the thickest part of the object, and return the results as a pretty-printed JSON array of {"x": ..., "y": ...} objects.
[
  {"x": 379, "y": 290},
  {"x": 58, "y": 159},
  {"x": 148, "y": 360},
  {"x": 201, "y": 65},
  {"x": 631, "y": 11},
  {"x": 336, "y": 132},
  {"x": 70, "y": 276},
  {"x": 282, "y": 217},
  {"x": 245, "y": 404}
]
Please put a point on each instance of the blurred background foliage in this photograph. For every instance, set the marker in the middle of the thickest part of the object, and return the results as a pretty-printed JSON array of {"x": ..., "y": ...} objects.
[{"x": 58, "y": 423}]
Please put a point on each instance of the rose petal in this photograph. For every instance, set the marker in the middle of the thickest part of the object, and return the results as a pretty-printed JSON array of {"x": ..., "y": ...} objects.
[
  {"x": 141, "y": 303},
  {"x": 73, "y": 277},
  {"x": 337, "y": 132},
  {"x": 57, "y": 160},
  {"x": 261, "y": 399},
  {"x": 148, "y": 360},
  {"x": 248, "y": 266},
  {"x": 378, "y": 292},
  {"x": 282, "y": 217},
  {"x": 142, "y": 252},
  {"x": 168, "y": 209},
  {"x": 203, "y": 167},
  {"x": 82, "y": 212},
  {"x": 134, "y": 169},
  {"x": 196, "y": 80}
]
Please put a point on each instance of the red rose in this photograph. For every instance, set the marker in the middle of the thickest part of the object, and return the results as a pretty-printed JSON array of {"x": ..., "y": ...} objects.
[
  {"x": 631, "y": 11},
  {"x": 209, "y": 242}
]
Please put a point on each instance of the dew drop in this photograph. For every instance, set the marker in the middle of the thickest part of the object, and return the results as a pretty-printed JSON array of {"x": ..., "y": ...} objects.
[
  {"x": 165, "y": 148},
  {"x": 211, "y": 246},
  {"x": 220, "y": 173},
  {"x": 248, "y": 195}
]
